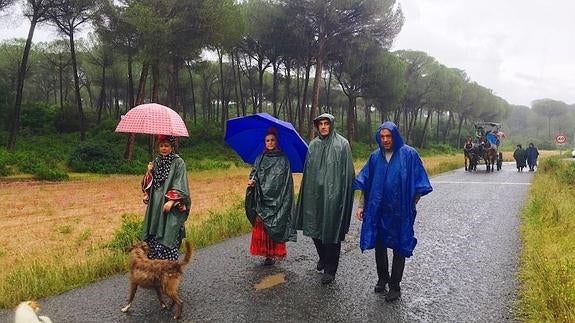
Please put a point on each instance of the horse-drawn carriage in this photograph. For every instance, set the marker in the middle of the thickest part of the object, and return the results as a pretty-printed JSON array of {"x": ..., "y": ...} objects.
[{"x": 485, "y": 147}]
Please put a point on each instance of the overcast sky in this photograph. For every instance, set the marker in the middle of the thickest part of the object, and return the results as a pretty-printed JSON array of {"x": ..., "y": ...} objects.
[{"x": 521, "y": 49}]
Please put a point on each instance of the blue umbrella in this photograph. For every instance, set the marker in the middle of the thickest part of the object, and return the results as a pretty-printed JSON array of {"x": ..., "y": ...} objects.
[{"x": 246, "y": 136}]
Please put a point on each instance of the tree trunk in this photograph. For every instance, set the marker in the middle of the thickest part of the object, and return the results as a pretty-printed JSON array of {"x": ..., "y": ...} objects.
[
  {"x": 304, "y": 99},
  {"x": 77, "y": 88},
  {"x": 351, "y": 101},
  {"x": 236, "y": 81},
  {"x": 102, "y": 97},
  {"x": 61, "y": 75},
  {"x": 422, "y": 141},
  {"x": 288, "y": 91},
  {"x": 129, "y": 151},
  {"x": 194, "y": 113},
  {"x": 314, "y": 110},
  {"x": 130, "y": 81},
  {"x": 15, "y": 125},
  {"x": 224, "y": 115},
  {"x": 156, "y": 81},
  {"x": 241, "y": 92}
]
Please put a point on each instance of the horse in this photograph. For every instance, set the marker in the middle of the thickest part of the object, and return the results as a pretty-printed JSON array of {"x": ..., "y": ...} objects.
[
  {"x": 489, "y": 155},
  {"x": 475, "y": 154}
]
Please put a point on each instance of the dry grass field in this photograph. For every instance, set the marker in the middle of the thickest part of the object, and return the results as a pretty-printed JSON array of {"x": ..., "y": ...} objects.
[{"x": 73, "y": 216}]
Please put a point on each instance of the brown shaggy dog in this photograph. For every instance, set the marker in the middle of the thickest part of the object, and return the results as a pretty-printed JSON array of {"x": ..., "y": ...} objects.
[{"x": 160, "y": 275}]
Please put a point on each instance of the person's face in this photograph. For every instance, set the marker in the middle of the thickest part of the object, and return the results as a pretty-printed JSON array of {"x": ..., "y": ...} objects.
[
  {"x": 323, "y": 127},
  {"x": 165, "y": 148},
  {"x": 386, "y": 139},
  {"x": 271, "y": 142}
]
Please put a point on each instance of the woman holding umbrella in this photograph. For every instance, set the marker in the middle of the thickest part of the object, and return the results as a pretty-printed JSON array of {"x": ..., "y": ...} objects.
[
  {"x": 166, "y": 192},
  {"x": 272, "y": 182}
]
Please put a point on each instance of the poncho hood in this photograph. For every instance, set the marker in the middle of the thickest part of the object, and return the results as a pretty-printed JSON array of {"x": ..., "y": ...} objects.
[
  {"x": 331, "y": 119},
  {"x": 397, "y": 140}
]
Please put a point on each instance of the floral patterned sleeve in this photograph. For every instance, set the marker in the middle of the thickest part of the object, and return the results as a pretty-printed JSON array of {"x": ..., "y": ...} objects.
[
  {"x": 146, "y": 185},
  {"x": 147, "y": 181},
  {"x": 174, "y": 195}
]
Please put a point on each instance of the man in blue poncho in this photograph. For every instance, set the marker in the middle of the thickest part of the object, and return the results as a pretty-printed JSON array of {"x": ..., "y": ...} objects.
[{"x": 392, "y": 181}]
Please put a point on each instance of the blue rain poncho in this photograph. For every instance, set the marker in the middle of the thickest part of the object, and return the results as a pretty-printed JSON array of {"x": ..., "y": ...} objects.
[{"x": 390, "y": 190}]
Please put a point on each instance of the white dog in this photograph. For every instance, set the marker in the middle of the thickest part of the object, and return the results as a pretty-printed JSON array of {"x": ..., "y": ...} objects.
[{"x": 26, "y": 313}]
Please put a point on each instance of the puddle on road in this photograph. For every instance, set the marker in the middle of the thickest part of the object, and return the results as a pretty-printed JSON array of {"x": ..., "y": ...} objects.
[{"x": 271, "y": 281}]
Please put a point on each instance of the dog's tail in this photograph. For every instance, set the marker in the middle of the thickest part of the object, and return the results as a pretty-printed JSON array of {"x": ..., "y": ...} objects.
[{"x": 188, "y": 254}]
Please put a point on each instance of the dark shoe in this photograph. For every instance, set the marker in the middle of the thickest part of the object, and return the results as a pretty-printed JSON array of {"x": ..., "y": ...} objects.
[
  {"x": 380, "y": 287},
  {"x": 269, "y": 261},
  {"x": 327, "y": 278},
  {"x": 392, "y": 295},
  {"x": 320, "y": 265}
]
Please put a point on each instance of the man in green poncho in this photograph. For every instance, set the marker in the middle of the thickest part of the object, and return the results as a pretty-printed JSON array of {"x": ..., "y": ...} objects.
[{"x": 326, "y": 197}]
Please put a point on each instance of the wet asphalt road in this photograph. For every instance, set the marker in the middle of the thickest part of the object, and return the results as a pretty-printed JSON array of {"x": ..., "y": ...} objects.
[{"x": 463, "y": 270}]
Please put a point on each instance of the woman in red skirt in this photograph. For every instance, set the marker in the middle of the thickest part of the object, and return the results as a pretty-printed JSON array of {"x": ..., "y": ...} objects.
[{"x": 272, "y": 179}]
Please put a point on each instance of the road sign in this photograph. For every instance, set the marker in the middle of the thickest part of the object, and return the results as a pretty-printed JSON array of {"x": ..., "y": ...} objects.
[{"x": 560, "y": 139}]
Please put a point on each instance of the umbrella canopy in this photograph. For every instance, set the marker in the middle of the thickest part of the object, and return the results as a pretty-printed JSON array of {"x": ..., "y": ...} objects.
[
  {"x": 153, "y": 118},
  {"x": 246, "y": 136}
]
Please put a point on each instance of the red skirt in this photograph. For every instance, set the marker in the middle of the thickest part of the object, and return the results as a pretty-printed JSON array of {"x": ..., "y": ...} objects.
[{"x": 263, "y": 245}]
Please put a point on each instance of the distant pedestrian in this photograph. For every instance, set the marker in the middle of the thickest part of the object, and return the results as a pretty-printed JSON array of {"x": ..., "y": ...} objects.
[
  {"x": 520, "y": 157},
  {"x": 271, "y": 179},
  {"x": 532, "y": 155},
  {"x": 326, "y": 196},
  {"x": 392, "y": 181}
]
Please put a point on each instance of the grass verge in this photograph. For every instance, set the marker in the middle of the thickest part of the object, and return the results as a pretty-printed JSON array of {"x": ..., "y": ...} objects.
[
  {"x": 56, "y": 274},
  {"x": 547, "y": 271}
]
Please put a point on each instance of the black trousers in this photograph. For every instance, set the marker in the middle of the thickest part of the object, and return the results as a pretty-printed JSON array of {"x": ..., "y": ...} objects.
[
  {"x": 328, "y": 254},
  {"x": 397, "y": 266}
]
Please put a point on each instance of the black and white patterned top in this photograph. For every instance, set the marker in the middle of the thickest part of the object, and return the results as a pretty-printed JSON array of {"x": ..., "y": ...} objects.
[{"x": 162, "y": 169}]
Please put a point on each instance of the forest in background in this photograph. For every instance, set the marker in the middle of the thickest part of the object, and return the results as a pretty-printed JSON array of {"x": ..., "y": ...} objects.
[{"x": 211, "y": 60}]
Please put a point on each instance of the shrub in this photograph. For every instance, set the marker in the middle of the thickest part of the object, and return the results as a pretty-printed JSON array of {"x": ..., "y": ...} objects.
[
  {"x": 550, "y": 164},
  {"x": 50, "y": 174},
  {"x": 28, "y": 161},
  {"x": 67, "y": 121},
  {"x": 4, "y": 162},
  {"x": 95, "y": 157},
  {"x": 38, "y": 118},
  {"x": 567, "y": 174},
  {"x": 128, "y": 233}
]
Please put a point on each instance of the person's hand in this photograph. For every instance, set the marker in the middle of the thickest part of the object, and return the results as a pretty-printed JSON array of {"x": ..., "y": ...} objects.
[
  {"x": 359, "y": 213},
  {"x": 150, "y": 166},
  {"x": 251, "y": 182},
  {"x": 168, "y": 206}
]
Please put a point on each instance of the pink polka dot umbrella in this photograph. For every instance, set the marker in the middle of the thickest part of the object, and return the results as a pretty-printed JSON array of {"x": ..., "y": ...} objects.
[{"x": 153, "y": 118}]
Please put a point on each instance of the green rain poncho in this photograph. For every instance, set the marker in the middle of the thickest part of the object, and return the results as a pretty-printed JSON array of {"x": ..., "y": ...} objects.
[
  {"x": 274, "y": 195},
  {"x": 167, "y": 227},
  {"x": 326, "y": 197}
]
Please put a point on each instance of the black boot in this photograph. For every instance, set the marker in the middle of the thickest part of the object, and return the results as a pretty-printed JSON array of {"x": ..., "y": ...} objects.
[{"x": 380, "y": 287}]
